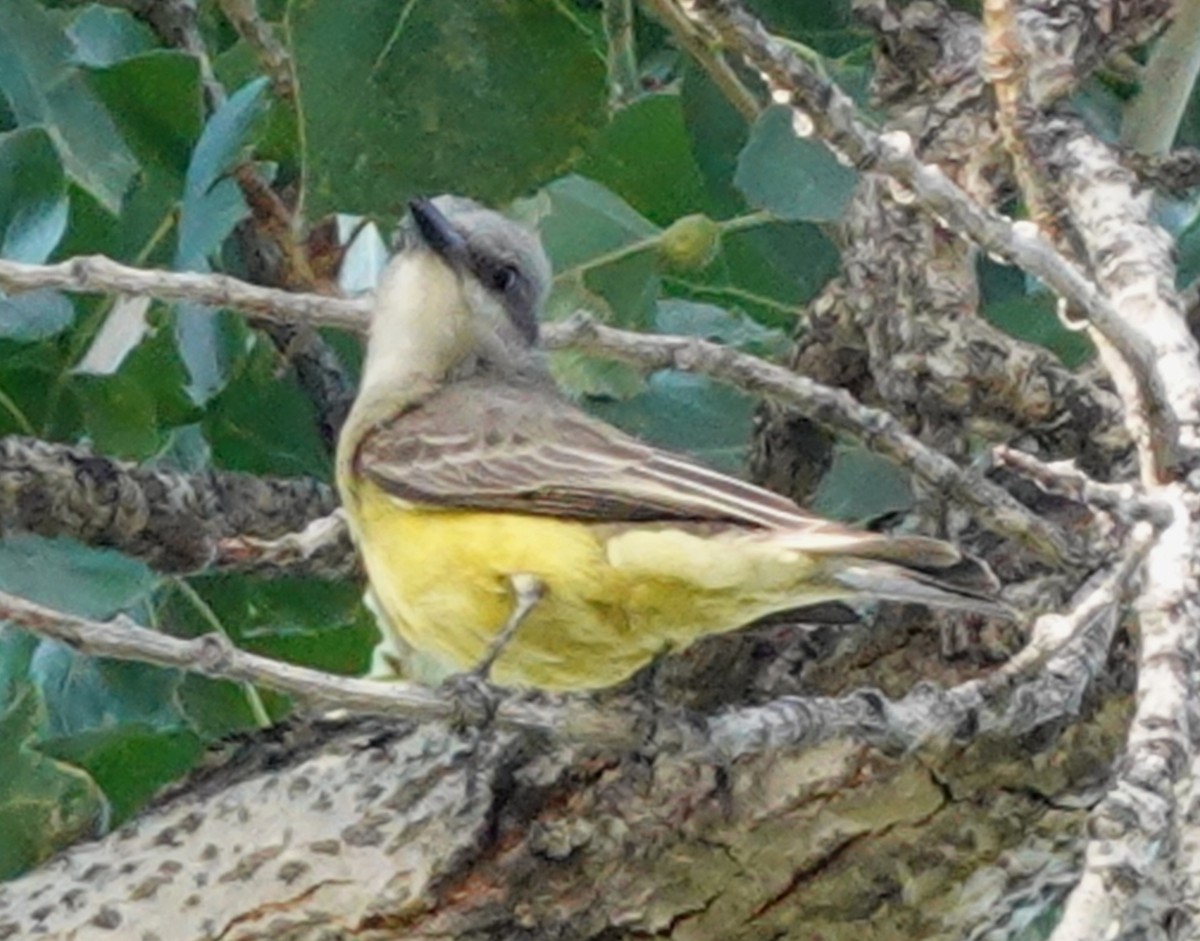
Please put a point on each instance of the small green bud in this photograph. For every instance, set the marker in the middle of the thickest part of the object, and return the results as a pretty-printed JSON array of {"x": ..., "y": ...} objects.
[{"x": 690, "y": 243}]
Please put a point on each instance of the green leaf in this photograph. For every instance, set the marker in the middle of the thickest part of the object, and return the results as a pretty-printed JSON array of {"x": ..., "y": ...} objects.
[
  {"x": 68, "y": 576},
  {"x": 580, "y": 221},
  {"x": 212, "y": 206},
  {"x": 483, "y": 97},
  {"x": 128, "y": 413},
  {"x": 579, "y": 374},
  {"x": 1033, "y": 318},
  {"x": 768, "y": 271},
  {"x": 719, "y": 325},
  {"x": 42, "y": 87},
  {"x": 35, "y": 316},
  {"x": 33, "y": 196},
  {"x": 799, "y": 19},
  {"x": 119, "y": 415},
  {"x": 717, "y": 133},
  {"x": 592, "y": 234},
  {"x": 130, "y": 763},
  {"x": 104, "y": 36},
  {"x": 155, "y": 100},
  {"x": 316, "y": 623},
  {"x": 688, "y": 413},
  {"x": 29, "y": 378},
  {"x": 684, "y": 412},
  {"x": 644, "y": 156},
  {"x": 84, "y": 694},
  {"x": 604, "y": 254},
  {"x": 1188, "y": 249},
  {"x": 262, "y": 423},
  {"x": 215, "y": 709},
  {"x": 44, "y": 804},
  {"x": 861, "y": 485},
  {"x": 1188, "y": 134},
  {"x": 16, "y": 654},
  {"x": 795, "y": 178}
]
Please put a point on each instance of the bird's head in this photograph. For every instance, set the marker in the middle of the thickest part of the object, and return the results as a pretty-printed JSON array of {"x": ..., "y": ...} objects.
[
  {"x": 503, "y": 269},
  {"x": 466, "y": 286}
]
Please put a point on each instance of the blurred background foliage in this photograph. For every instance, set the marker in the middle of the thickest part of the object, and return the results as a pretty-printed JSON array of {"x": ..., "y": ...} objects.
[{"x": 662, "y": 211}]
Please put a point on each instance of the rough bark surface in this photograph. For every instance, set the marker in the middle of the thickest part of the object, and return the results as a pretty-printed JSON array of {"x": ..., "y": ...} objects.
[{"x": 375, "y": 830}]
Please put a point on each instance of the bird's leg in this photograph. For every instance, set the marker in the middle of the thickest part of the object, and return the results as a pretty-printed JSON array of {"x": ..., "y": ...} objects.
[
  {"x": 475, "y": 697},
  {"x": 529, "y": 590}
]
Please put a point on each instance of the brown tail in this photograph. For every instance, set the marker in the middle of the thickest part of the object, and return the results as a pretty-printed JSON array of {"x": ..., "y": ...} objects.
[{"x": 913, "y": 569}]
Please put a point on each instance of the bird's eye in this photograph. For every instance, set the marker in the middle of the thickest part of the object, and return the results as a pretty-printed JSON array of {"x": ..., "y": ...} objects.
[{"x": 504, "y": 277}]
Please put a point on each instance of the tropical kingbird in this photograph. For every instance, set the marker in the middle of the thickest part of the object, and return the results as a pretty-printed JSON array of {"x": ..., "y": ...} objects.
[{"x": 486, "y": 505}]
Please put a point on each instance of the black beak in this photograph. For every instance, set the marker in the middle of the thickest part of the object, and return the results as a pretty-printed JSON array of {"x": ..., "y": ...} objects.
[{"x": 436, "y": 231}]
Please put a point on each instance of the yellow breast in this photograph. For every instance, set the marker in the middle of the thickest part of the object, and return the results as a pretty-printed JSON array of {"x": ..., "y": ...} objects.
[{"x": 613, "y": 599}]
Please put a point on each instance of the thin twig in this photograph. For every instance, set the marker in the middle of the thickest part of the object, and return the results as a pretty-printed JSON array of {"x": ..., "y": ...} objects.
[
  {"x": 96, "y": 274},
  {"x": 1046, "y": 678},
  {"x": 1126, "y": 501},
  {"x": 322, "y": 549},
  {"x": 1128, "y": 888},
  {"x": 622, "y": 53},
  {"x": 259, "y": 36},
  {"x": 212, "y": 655},
  {"x": 175, "y": 23},
  {"x": 1127, "y": 877},
  {"x": 707, "y": 53},
  {"x": 1066, "y": 653}
]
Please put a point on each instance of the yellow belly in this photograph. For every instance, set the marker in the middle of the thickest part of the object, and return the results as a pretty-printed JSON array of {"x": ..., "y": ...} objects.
[{"x": 612, "y": 601}]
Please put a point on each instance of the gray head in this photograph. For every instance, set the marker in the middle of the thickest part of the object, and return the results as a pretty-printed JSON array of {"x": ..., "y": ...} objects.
[{"x": 501, "y": 263}]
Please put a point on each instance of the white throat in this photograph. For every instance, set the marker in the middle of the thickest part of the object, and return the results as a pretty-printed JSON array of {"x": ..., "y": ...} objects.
[
  {"x": 420, "y": 329},
  {"x": 420, "y": 326}
]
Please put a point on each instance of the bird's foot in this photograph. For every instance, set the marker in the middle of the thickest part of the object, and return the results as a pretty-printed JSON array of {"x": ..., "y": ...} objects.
[{"x": 473, "y": 701}]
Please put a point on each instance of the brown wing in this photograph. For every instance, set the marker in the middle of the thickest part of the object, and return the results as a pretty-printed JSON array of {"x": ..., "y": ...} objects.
[{"x": 495, "y": 447}]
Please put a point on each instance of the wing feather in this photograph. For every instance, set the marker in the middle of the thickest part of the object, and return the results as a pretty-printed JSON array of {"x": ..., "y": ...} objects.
[{"x": 530, "y": 451}]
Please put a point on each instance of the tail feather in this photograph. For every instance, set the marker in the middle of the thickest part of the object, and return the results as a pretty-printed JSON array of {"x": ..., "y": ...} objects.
[
  {"x": 971, "y": 589},
  {"x": 919, "y": 551},
  {"x": 913, "y": 569}
]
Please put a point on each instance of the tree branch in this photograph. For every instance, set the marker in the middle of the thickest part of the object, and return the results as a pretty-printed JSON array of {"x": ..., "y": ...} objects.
[
  {"x": 707, "y": 53},
  {"x": 1152, "y": 117},
  {"x": 833, "y": 408},
  {"x": 174, "y": 522},
  {"x": 1126, "y": 883},
  {"x": 95, "y": 274},
  {"x": 622, "y": 53}
]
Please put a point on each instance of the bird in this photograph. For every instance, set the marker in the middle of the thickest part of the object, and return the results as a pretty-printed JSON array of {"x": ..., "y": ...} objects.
[{"x": 505, "y": 530}]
